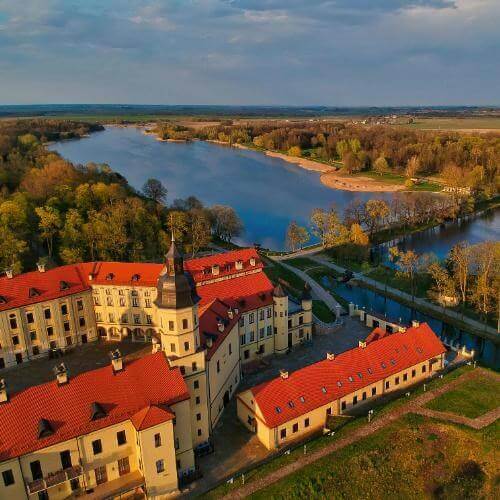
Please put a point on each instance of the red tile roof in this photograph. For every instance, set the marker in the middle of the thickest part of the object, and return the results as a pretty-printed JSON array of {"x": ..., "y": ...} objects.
[
  {"x": 49, "y": 285},
  {"x": 151, "y": 416},
  {"x": 122, "y": 273},
  {"x": 143, "y": 384},
  {"x": 353, "y": 369},
  {"x": 226, "y": 262},
  {"x": 376, "y": 334}
]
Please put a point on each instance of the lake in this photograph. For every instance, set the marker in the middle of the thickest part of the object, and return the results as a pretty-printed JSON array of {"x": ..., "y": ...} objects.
[{"x": 266, "y": 192}]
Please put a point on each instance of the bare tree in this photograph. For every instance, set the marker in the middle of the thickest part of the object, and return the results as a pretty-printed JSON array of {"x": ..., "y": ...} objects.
[
  {"x": 461, "y": 260},
  {"x": 296, "y": 236}
]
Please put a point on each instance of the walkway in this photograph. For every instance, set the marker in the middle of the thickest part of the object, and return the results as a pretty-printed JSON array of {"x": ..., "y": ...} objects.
[
  {"x": 479, "y": 328},
  {"x": 317, "y": 289},
  {"x": 413, "y": 406}
]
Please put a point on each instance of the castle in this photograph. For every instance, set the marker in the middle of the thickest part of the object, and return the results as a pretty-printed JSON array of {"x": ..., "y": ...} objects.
[{"x": 207, "y": 316}]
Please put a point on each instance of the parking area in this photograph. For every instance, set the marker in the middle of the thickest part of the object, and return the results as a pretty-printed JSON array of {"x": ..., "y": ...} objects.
[{"x": 78, "y": 360}]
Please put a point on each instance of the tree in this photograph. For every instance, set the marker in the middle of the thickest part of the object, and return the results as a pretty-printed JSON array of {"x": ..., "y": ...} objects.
[
  {"x": 444, "y": 286},
  {"x": 412, "y": 167},
  {"x": 408, "y": 264},
  {"x": 49, "y": 225},
  {"x": 72, "y": 238},
  {"x": 296, "y": 236},
  {"x": 225, "y": 222},
  {"x": 155, "y": 190},
  {"x": 381, "y": 166},
  {"x": 12, "y": 249},
  {"x": 295, "y": 151},
  {"x": 376, "y": 212},
  {"x": 200, "y": 230},
  {"x": 358, "y": 236},
  {"x": 351, "y": 162},
  {"x": 461, "y": 259},
  {"x": 178, "y": 224},
  {"x": 319, "y": 224}
]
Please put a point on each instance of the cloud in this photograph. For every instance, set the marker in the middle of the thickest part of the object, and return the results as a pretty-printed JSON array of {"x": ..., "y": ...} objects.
[{"x": 337, "y": 52}]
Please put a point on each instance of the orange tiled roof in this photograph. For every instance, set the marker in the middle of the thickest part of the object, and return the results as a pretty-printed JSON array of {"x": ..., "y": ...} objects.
[
  {"x": 142, "y": 384},
  {"x": 280, "y": 400},
  {"x": 151, "y": 416},
  {"x": 376, "y": 334}
]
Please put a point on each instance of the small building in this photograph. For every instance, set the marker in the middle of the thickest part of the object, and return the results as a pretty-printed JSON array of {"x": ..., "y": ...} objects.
[
  {"x": 293, "y": 405},
  {"x": 119, "y": 429}
]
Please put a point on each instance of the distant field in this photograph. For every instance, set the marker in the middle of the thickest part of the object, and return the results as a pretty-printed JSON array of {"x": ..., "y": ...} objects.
[{"x": 470, "y": 124}]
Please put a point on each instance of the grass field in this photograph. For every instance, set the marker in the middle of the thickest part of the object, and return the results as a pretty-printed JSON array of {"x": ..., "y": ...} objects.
[
  {"x": 302, "y": 263},
  {"x": 470, "y": 399},
  {"x": 422, "y": 280},
  {"x": 321, "y": 311},
  {"x": 390, "y": 178},
  {"x": 466, "y": 124},
  {"x": 414, "y": 457}
]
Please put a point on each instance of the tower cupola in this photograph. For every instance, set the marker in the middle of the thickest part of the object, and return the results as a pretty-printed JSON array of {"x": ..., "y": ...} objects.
[{"x": 174, "y": 288}]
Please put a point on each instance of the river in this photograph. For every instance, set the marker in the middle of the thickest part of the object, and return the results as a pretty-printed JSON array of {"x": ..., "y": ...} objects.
[{"x": 266, "y": 192}]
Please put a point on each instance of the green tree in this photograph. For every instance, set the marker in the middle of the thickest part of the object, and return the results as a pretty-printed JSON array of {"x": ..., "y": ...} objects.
[
  {"x": 381, "y": 166},
  {"x": 12, "y": 250},
  {"x": 49, "y": 225}
]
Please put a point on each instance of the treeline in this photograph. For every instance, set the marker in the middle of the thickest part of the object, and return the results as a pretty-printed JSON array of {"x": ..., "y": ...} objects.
[
  {"x": 460, "y": 160},
  {"x": 53, "y": 210}
]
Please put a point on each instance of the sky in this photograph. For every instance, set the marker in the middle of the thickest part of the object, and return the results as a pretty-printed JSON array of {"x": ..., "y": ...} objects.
[{"x": 262, "y": 52}]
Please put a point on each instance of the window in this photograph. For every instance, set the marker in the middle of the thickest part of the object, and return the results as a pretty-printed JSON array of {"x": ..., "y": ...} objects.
[
  {"x": 8, "y": 477},
  {"x": 289, "y": 323},
  {"x": 194, "y": 366},
  {"x": 69, "y": 341},
  {"x": 323, "y": 390},
  {"x": 36, "y": 350},
  {"x": 387, "y": 385},
  {"x": 197, "y": 400},
  {"x": 121, "y": 438},
  {"x": 36, "y": 470},
  {"x": 123, "y": 466},
  {"x": 301, "y": 320},
  {"x": 252, "y": 336},
  {"x": 148, "y": 303},
  {"x": 135, "y": 302},
  {"x": 33, "y": 335},
  {"x": 295, "y": 428},
  {"x": 30, "y": 318},
  {"x": 364, "y": 396},
  {"x": 184, "y": 324},
  {"x": 172, "y": 347},
  {"x": 196, "y": 384},
  {"x": 182, "y": 370},
  {"x": 65, "y": 459},
  {"x": 405, "y": 377},
  {"x": 218, "y": 366},
  {"x": 157, "y": 440},
  {"x": 424, "y": 369},
  {"x": 261, "y": 332},
  {"x": 242, "y": 340},
  {"x": 124, "y": 318},
  {"x": 328, "y": 411},
  {"x": 50, "y": 331},
  {"x": 15, "y": 340},
  {"x": 198, "y": 416},
  {"x": 251, "y": 318},
  {"x": 101, "y": 475},
  {"x": 66, "y": 326},
  {"x": 269, "y": 330},
  {"x": 81, "y": 321},
  {"x": 170, "y": 325},
  {"x": 13, "y": 322},
  {"x": 121, "y": 301},
  {"x": 109, "y": 301},
  {"x": 283, "y": 433},
  {"x": 97, "y": 447},
  {"x": 79, "y": 305},
  {"x": 261, "y": 314},
  {"x": 199, "y": 432},
  {"x": 97, "y": 301},
  {"x": 269, "y": 313},
  {"x": 306, "y": 422},
  {"x": 302, "y": 399},
  {"x": 246, "y": 354},
  {"x": 137, "y": 319},
  {"x": 355, "y": 400},
  {"x": 230, "y": 350},
  {"x": 186, "y": 346},
  {"x": 396, "y": 381},
  {"x": 413, "y": 373},
  {"x": 149, "y": 319},
  {"x": 344, "y": 405},
  {"x": 160, "y": 466}
]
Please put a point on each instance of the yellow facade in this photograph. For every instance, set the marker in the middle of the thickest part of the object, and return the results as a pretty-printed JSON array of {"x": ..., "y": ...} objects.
[{"x": 296, "y": 429}]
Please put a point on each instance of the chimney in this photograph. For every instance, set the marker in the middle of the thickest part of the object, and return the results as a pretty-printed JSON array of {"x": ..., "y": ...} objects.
[
  {"x": 239, "y": 265},
  {"x": 361, "y": 344},
  {"x": 91, "y": 276},
  {"x": 415, "y": 323},
  {"x": 41, "y": 267},
  {"x": 330, "y": 356},
  {"x": 9, "y": 273},
  {"x": 402, "y": 329},
  {"x": 252, "y": 261},
  {"x": 220, "y": 326},
  {"x": 116, "y": 360},
  {"x": 215, "y": 269},
  {"x": 61, "y": 374},
  {"x": 3, "y": 391},
  {"x": 284, "y": 374}
]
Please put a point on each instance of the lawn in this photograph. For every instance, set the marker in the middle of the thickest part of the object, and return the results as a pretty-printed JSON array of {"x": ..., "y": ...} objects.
[
  {"x": 471, "y": 399},
  {"x": 391, "y": 178},
  {"x": 321, "y": 311},
  {"x": 278, "y": 273},
  {"x": 414, "y": 457},
  {"x": 382, "y": 273},
  {"x": 302, "y": 263}
]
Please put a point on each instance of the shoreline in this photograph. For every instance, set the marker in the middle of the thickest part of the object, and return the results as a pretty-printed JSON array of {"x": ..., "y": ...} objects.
[{"x": 329, "y": 176}]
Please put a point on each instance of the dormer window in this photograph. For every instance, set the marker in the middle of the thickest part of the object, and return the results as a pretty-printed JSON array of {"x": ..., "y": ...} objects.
[
  {"x": 239, "y": 264},
  {"x": 110, "y": 276},
  {"x": 278, "y": 409},
  {"x": 302, "y": 399},
  {"x": 97, "y": 411},
  {"x": 33, "y": 292},
  {"x": 291, "y": 404},
  {"x": 323, "y": 390},
  {"x": 350, "y": 378},
  {"x": 339, "y": 383},
  {"x": 44, "y": 428},
  {"x": 63, "y": 285},
  {"x": 3, "y": 300},
  {"x": 136, "y": 277}
]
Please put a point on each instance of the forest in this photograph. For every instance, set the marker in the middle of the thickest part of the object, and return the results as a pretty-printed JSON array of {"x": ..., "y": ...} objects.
[
  {"x": 57, "y": 212},
  {"x": 458, "y": 159}
]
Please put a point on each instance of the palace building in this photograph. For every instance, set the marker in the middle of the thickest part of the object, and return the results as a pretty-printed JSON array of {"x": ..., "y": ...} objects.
[
  {"x": 293, "y": 405},
  {"x": 207, "y": 316}
]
